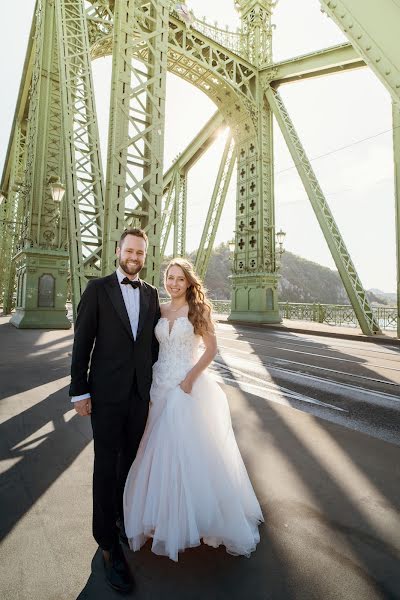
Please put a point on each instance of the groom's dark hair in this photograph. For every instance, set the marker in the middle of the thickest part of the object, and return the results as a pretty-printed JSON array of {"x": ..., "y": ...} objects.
[{"x": 135, "y": 231}]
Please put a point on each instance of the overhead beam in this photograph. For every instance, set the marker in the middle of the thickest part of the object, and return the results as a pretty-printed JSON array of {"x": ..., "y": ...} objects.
[
  {"x": 197, "y": 147},
  {"x": 373, "y": 30},
  {"x": 316, "y": 64}
]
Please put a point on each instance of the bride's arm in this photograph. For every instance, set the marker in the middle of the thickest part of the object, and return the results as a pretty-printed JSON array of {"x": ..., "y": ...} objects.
[{"x": 210, "y": 343}]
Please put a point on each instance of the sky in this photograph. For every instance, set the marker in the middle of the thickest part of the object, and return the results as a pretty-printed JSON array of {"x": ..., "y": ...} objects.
[{"x": 343, "y": 120}]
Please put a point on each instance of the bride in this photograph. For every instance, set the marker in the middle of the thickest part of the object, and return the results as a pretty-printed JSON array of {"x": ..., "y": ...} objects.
[{"x": 188, "y": 482}]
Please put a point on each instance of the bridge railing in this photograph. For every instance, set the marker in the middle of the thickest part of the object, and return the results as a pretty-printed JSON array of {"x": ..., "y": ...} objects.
[{"x": 333, "y": 314}]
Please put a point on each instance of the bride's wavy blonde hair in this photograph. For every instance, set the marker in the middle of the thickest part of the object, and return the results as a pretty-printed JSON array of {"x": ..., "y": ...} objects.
[{"x": 200, "y": 308}]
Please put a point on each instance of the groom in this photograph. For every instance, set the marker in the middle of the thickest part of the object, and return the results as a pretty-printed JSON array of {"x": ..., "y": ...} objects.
[{"x": 114, "y": 350}]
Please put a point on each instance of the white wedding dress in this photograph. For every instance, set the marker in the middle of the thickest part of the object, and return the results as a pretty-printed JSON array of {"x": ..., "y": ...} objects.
[{"x": 188, "y": 482}]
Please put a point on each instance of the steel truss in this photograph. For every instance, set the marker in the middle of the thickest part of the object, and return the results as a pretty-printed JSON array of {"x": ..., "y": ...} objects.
[
  {"x": 136, "y": 134},
  {"x": 83, "y": 168},
  {"x": 340, "y": 254},
  {"x": 216, "y": 206},
  {"x": 147, "y": 38},
  {"x": 11, "y": 221}
]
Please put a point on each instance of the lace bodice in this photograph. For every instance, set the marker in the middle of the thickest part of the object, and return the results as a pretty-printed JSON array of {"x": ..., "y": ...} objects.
[{"x": 179, "y": 351}]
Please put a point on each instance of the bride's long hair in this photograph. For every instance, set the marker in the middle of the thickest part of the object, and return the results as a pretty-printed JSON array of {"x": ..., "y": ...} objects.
[{"x": 200, "y": 308}]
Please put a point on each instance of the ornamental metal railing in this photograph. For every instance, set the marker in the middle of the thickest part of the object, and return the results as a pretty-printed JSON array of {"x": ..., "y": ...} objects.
[{"x": 341, "y": 315}]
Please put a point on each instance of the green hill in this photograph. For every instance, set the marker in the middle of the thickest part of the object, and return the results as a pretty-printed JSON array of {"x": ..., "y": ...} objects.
[{"x": 300, "y": 280}]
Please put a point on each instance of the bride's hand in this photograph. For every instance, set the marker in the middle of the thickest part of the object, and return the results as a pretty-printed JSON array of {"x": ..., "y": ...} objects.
[{"x": 186, "y": 385}]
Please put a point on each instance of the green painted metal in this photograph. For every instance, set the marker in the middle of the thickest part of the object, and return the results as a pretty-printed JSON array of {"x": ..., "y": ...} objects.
[
  {"x": 396, "y": 155},
  {"x": 340, "y": 315},
  {"x": 216, "y": 206},
  {"x": 42, "y": 246},
  {"x": 196, "y": 148},
  {"x": 180, "y": 202},
  {"x": 146, "y": 39},
  {"x": 373, "y": 29},
  {"x": 254, "y": 273},
  {"x": 136, "y": 133},
  {"x": 11, "y": 221},
  {"x": 337, "y": 247},
  {"x": 336, "y": 59},
  {"x": 167, "y": 213},
  {"x": 84, "y": 196}
]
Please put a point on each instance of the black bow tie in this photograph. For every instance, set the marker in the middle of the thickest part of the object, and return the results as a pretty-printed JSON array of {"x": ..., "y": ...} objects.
[{"x": 136, "y": 283}]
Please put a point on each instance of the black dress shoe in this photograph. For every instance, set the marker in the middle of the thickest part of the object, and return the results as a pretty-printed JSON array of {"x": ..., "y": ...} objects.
[{"x": 117, "y": 571}]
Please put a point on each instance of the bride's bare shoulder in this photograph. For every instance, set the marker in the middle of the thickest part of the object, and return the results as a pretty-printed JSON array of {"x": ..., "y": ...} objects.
[{"x": 164, "y": 307}]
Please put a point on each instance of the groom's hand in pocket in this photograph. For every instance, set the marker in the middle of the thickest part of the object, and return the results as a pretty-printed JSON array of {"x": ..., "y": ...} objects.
[{"x": 83, "y": 407}]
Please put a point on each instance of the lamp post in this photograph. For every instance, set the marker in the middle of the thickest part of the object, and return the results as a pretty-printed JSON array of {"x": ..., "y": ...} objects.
[
  {"x": 57, "y": 189},
  {"x": 280, "y": 238}
]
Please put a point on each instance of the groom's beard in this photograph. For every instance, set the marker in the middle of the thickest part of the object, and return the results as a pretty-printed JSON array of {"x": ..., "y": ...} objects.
[{"x": 131, "y": 268}]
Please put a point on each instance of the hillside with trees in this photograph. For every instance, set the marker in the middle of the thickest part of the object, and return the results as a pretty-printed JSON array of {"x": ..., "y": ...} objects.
[{"x": 300, "y": 280}]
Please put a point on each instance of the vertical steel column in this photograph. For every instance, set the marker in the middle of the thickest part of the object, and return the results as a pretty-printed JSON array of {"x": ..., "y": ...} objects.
[
  {"x": 136, "y": 133},
  {"x": 396, "y": 157},
  {"x": 180, "y": 214},
  {"x": 12, "y": 219},
  {"x": 83, "y": 168},
  {"x": 254, "y": 277},
  {"x": 42, "y": 258}
]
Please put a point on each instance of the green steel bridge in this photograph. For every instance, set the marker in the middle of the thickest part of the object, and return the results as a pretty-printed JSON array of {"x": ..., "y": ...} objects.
[{"x": 51, "y": 243}]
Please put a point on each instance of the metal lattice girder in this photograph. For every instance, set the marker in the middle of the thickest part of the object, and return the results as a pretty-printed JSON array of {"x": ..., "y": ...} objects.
[
  {"x": 195, "y": 57},
  {"x": 11, "y": 219},
  {"x": 83, "y": 169},
  {"x": 5, "y": 241},
  {"x": 136, "y": 132},
  {"x": 373, "y": 29},
  {"x": 197, "y": 147},
  {"x": 396, "y": 156},
  {"x": 42, "y": 225},
  {"x": 180, "y": 214},
  {"x": 340, "y": 254},
  {"x": 216, "y": 205},
  {"x": 335, "y": 59},
  {"x": 257, "y": 29},
  {"x": 167, "y": 213}
]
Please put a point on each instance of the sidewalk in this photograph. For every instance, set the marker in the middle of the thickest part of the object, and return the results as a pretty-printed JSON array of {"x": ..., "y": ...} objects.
[{"x": 320, "y": 329}]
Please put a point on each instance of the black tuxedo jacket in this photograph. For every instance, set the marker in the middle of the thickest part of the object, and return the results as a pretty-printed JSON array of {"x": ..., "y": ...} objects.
[{"x": 105, "y": 356}]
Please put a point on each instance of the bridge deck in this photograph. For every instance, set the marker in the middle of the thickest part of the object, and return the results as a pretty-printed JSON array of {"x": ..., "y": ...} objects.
[{"x": 325, "y": 473}]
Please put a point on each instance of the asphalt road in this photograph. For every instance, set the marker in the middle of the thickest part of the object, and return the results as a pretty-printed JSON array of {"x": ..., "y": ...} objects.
[
  {"x": 317, "y": 422},
  {"x": 350, "y": 382}
]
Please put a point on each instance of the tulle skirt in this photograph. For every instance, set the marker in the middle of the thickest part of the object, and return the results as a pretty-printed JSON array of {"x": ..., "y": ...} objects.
[{"x": 188, "y": 482}]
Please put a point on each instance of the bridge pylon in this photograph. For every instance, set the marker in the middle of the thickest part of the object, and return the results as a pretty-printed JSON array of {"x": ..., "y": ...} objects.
[{"x": 51, "y": 247}]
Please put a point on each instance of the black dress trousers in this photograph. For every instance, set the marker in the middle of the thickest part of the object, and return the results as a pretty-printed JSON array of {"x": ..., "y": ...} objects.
[{"x": 116, "y": 436}]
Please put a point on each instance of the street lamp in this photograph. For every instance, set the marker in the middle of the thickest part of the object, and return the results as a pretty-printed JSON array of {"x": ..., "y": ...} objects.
[
  {"x": 57, "y": 189},
  {"x": 280, "y": 237}
]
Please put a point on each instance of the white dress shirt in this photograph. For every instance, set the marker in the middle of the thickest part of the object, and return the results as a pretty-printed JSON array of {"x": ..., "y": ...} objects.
[{"x": 131, "y": 298}]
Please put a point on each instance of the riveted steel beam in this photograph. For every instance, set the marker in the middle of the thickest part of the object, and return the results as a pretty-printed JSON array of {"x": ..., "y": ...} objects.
[
  {"x": 216, "y": 206},
  {"x": 340, "y": 254},
  {"x": 373, "y": 29},
  {"x": 315, "y": 64}
]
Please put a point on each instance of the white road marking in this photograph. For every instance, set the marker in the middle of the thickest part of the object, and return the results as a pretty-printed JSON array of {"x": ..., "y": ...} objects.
[
  {"x": 306, "y": 365},
  {"x": 345, "y": 390},
  {"x": 272, "y": 388}
]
